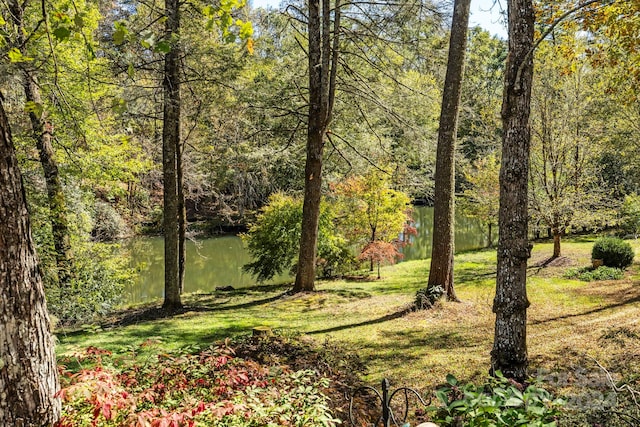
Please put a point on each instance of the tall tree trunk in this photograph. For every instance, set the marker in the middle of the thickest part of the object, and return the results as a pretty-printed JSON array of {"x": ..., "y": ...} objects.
[
  {"x": 509, "y": 353},
  {"x": 42, "y": 130},
  {"x": 182, "y": 220},
  {"x": 170, "y": 144},
  {"x": 323, "y": 59},
  {"x": 441, "y": 271},
  {"x": 556, "y": 241},
  {"x": 305, "y": 276},
  {"x": 28, "y": 370}
]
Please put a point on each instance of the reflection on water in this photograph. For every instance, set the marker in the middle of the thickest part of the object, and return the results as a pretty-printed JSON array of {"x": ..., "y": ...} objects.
[
  {"x": 210, "y": 263},
  {"x": 469, "y": 234},
  {"x": 218, "y": 261}
]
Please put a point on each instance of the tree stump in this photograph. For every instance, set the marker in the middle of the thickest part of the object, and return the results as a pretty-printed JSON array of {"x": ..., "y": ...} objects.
[{"x": 262, "y": 331}]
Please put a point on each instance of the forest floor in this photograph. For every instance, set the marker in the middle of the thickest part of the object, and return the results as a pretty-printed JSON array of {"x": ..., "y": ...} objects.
[{"x": 576, "y": 329}]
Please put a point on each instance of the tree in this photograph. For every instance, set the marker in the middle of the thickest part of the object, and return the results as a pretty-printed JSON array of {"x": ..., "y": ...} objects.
[
  {"x": 441, "y": 271},
  {"x": 630, "y": 215},
  {"x": 28, "y": 373},
  {"x": 509, "y": 353},
  {"x": 42, "y": 132},
  {"x": 323, "y": 63},
  {"x": 614, "y": 54},
  {"x": 372, "y": 216},
  {"x": 273, "y": 239},
  {"x": 563, "y": 172},
  {"x": 479, "y": 128},
  {"x": 348, "y": 36},
  {"x": 174, "y": 221},
  {"x": 171, "y": 146},
  {"x": 482, "y": 199}
]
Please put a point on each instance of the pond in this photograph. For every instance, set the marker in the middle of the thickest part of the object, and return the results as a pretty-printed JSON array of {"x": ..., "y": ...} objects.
[{"x": 218, "y": 261}]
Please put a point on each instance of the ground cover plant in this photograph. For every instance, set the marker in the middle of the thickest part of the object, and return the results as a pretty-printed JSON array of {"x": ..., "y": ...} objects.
[
  {"x": 207, "y": 388},
  {"x": 590, "y": 274},
  {"x": 571, "y": 325},
  {"x": 499, "y": 401}
]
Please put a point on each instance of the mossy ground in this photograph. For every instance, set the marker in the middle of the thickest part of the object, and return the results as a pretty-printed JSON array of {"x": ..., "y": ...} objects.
[{"x": 571, "y": 324}]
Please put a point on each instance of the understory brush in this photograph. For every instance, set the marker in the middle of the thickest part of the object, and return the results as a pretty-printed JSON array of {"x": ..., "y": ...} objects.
[
  {"x": 590, "y": 274},
  {"x": 498, "y": 402},
  {"x": 99, "y": 278},
  {"x": 213, "y": 387}
]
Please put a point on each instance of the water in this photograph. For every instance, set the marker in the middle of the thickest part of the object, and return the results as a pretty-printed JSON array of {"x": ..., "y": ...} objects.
[
  {"x": 469, "y": 234},
  {"x": 218, "y": 261},
  {"x": 210, "y": 263}
]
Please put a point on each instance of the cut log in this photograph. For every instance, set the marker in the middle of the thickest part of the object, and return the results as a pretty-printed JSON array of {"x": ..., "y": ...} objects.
[{"x": 262, "y": 331}]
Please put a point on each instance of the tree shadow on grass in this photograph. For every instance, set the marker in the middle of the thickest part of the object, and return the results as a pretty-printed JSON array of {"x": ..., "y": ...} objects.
[
  {"x": 472, "y": 275},
  {"x": 154, "y": 313},
  {"x": 129, "y": 339},
  {"x": 632, "y": 300},
  {"x": 398, "y": 314},
  {"x": 348, "y": 293}
]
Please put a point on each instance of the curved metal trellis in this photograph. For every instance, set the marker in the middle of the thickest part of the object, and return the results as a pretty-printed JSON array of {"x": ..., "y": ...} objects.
[{"x": 387, "y": 416}]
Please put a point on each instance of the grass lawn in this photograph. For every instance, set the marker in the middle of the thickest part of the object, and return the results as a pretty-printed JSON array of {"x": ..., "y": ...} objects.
[{"x": 571, "y": 324}]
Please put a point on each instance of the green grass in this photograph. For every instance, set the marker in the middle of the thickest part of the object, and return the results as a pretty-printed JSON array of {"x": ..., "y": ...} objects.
[{"x": 567, "y": 318}]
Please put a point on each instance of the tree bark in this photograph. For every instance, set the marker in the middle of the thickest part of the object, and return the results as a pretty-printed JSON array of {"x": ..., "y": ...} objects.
[
  {"x": 556, "y": 242},
  {"x": 509, "y": 353},
  {"x": 323, "y": 59},
  {"x": 170, "y": 144},
  {"x": 42, "y": 132},
  {"x": 305, "y": 276},
  {"x": 182, "y": 220},
  {"x": 28, "y": 370},
  {"x": 441, "y": 271}
]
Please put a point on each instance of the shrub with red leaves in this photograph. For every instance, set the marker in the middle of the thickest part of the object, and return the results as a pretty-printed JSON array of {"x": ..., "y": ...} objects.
[{"x": 211, "y": 388}]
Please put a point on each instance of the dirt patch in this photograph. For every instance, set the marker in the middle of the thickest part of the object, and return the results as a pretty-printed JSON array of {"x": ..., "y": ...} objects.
[{"x": 561, "y": 261}]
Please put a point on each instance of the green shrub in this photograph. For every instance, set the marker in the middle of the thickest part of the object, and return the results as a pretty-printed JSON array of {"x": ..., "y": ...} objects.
[
  {"x": 274, "y": 240},
  {"x": 613, "y": 252},
  {"x": 499, "y": 402},
  {"x": 589, "y": 274},
  {"x": 101, "y": 273}
]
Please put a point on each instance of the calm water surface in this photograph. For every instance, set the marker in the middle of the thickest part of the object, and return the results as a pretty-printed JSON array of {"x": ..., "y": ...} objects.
[{"x": 218, "y": 261}]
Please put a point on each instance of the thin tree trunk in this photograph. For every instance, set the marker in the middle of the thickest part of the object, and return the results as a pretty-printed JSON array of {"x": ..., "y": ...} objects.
[
  {"x": 556, "y": 242},
  {"x": 55, "y": 195},
  {"x": 441, "y": 271},
  {"x": 170, "y": 144},
  {"x": 509, "y": 353},
  {"x": 182, "y": 221},
  {"x": 28, "y": 371},
  {"x": 373, "y": 239},
  {"x": 42, "y": 130}
]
